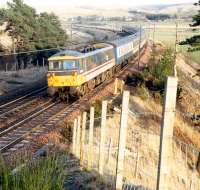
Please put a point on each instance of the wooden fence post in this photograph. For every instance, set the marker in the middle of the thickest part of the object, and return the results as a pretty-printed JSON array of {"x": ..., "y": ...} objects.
[
  {"x": 6, "y": 67},
  {"x": 165, "y": 152},
  {"x": 83, "y": 136},
  {"x": 43, "y": 63},
  {"x": 37, "y": 64},
  {"x": 116, "y": 86},
  {"x": 74, "y": 137},
  {"x": 122, "y": 86},
  {"x": 122, "y": 140},
  {"x": 16, "y": 66},
  {"x": 109, "y": 151},
  {"x": 102, "y": 140},
  {"x": 91, "y": 134},
  {"x": 78, "y": 137}
]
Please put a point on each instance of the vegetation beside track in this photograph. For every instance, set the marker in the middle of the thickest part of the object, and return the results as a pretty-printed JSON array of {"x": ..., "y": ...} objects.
[
  {"x": 41, "y": 174},
  {"x": 166, "y": 33},
  {"x": 152, "y": 78}
]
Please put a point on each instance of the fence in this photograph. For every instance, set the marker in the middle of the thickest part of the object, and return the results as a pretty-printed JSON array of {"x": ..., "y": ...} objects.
[
  {"x": 131, "y": 152},
  {"x": 11, "y": 63}
]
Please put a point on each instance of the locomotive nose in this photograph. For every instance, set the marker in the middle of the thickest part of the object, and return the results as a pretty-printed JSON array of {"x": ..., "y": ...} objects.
[{"x": 49, "y": 75}]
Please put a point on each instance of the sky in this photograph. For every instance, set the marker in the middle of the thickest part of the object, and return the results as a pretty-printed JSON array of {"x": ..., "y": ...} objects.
[{"x": 98, "y": 3}]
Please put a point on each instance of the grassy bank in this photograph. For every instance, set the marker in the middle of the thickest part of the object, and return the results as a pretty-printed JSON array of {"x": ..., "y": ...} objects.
[
  {"x": 40, "y": 174},
  {"x": 166, "y": 33}
]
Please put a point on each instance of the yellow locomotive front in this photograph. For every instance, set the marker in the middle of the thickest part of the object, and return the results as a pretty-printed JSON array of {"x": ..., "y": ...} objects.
[{"x": 64, "y": 72}]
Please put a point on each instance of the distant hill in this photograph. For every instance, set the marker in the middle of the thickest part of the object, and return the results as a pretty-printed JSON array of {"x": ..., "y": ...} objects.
[{"x": 182, "y": 10}]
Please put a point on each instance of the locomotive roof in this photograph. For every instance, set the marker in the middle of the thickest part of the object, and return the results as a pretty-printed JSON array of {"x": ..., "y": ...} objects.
[{"x": 77, "y": 54}]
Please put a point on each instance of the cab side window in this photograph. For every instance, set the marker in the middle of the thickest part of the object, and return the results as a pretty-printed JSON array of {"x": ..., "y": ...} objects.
[
  {"x": 82, "y": 65},
  {"x": 89, "y": 63}
]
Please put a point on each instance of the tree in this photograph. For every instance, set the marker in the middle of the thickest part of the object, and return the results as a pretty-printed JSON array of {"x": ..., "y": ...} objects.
[
  {"x": 2, "y": 15},
  {"x": 194, "y": 41},
  {"x": 196, "y": 18},
  {"x": 157, "y": 17},
  {"x": 160, "y": 66},
  {"x": 32, "y": 31}
]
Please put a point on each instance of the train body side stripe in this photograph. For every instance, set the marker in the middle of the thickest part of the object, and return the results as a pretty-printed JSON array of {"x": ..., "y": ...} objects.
[{"x": 94, "y": 73}]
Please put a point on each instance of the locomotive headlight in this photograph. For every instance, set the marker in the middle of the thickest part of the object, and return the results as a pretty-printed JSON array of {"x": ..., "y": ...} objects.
[
  {"x": 74, "y": 73},
  {"x": 50, "y": 74}
]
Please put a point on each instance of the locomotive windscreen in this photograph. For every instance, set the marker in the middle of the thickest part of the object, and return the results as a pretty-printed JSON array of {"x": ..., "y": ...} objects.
[{"x": 64, "y": 65}]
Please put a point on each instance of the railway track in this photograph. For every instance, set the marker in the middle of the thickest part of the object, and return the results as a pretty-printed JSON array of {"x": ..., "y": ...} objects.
[
  {"x": 19, "y": 134},
  {"x": 43, "y": 120},
  {"x": 13, "y": 137},
  {"x": 21, "y": 100}
]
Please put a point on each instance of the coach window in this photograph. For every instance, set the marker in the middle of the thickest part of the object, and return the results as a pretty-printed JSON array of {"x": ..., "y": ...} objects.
[
  {"x": 81, "y": 65},
  {"x": 105, "y": 57},
  {"x": 90, "y": 63},
  {"x": 100, "y": 58},
  {"x": 110, "y": 54}
]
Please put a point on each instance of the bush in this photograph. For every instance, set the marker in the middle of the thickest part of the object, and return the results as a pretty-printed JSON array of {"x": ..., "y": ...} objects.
[
  {"x": 160, "y": 67},
  {"x": 98, "y": 108},
  {"x": 142, "y": 92},
  {"x": 40, "y": 174},
  {"x": 153, "y": 78},
  {"x": 163, "y": 67}
]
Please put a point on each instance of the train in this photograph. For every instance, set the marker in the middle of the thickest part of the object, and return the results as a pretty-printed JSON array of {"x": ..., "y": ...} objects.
[{"x": 74, "y": 73}]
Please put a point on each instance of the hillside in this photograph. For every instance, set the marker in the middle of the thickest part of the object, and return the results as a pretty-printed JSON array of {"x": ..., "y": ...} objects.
[
  {"x": 182, "y": 10},
  {"x": 186, "y": 10}
]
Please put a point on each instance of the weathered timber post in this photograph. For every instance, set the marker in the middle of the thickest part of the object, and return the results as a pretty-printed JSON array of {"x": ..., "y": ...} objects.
[
  {"x": 83, "y": 136},
  {"x": 102, "y": 140},
  {"x": 37, "y": 64},
  {"x": 116, "y": 86},
  {"x": 91, "y": 134},
  {"x": 43, "y": 63},
  {"x": 16, "y": 66},
  {"x": 122, "y": 141},
  {"x": 6, "y": 67},
  {"x": 165, "y": 152},
  {"x": 74, "y": 137},
  {"x": 78, "y": 137},
  {"x": 122, "y": 86},
  {"x": 109, "y": 151}
]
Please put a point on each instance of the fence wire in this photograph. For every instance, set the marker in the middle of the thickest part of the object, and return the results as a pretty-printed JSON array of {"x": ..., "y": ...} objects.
[{"x": 141, "y": 154}]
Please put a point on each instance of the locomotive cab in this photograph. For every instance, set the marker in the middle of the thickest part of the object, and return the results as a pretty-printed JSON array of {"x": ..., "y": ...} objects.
[{"x": 70, "y": 70}]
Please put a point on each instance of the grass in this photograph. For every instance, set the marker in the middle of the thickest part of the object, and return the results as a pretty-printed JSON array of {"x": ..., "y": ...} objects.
[
  {"x": 40, "y": 174},
  {"x": 166, "y": 33}
]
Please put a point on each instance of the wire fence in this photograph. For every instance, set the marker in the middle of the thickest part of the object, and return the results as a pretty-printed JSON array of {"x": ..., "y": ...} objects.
[{"x": 137, "y": 159}]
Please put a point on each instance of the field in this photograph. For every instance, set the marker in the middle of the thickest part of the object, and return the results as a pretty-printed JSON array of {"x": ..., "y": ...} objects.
[{"x": 166, "y": 33}]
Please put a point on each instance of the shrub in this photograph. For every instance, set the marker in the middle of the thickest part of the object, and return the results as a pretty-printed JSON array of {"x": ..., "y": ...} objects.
[
  {"x": 153, "y": 78},
  {"x": 163, "y": 67},
  {"x": 98, "y": 108},
  {"x": 142, "y": 92},
  {"x": 160, "y": 67}
]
